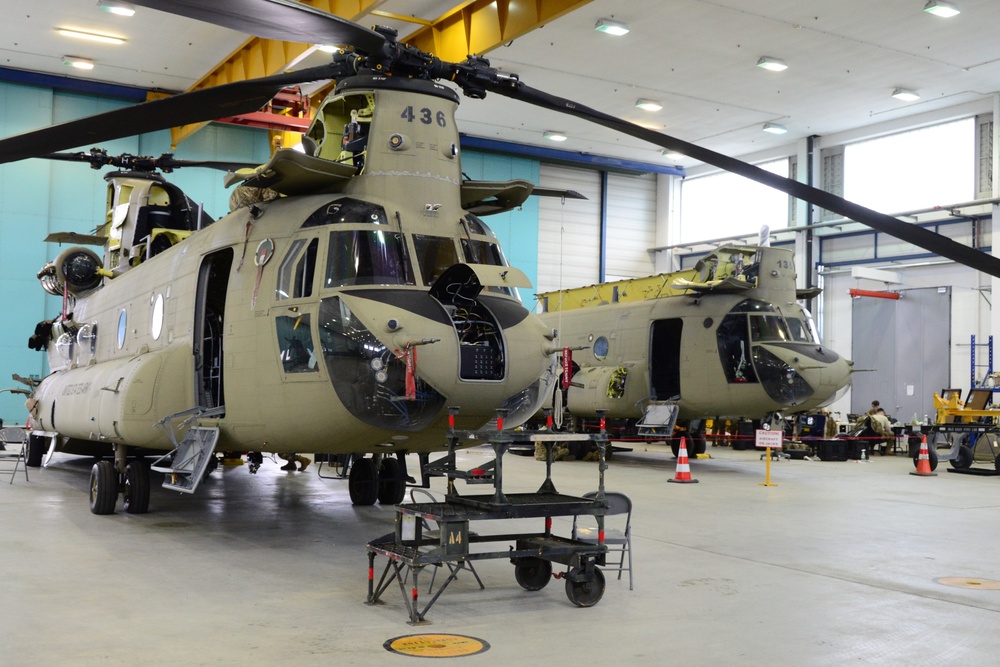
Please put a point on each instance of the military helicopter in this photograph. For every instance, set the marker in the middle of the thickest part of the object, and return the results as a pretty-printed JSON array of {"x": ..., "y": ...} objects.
[
  {"x": 725, "y": 339},
  {"x": 294, "y": 323}
]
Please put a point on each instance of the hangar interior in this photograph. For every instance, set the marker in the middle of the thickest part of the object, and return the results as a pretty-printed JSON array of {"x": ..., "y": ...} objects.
[{"x": 866, "y": 566}]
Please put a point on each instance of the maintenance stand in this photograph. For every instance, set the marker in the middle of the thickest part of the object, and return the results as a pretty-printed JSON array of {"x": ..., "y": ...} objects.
[{"x": 414, "y": 545}]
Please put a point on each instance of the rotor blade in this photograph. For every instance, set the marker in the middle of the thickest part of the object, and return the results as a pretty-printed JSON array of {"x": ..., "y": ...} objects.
[
  {"x": 165, "y": 162},
  {"x": 230, "y": 99},
  {"x": 275, "y": 19},
  {"x": 910, "y": 233}
]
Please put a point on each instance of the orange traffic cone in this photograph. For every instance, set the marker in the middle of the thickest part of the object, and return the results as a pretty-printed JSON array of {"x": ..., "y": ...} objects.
[
  {"x": 923, "y": 460},
  {"x": 683, "y": 475}
]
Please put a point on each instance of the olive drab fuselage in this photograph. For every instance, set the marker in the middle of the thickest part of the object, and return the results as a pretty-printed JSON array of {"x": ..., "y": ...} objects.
[
  {"x": 346, "y": 316},
  {"x": 729, "y": 339}
]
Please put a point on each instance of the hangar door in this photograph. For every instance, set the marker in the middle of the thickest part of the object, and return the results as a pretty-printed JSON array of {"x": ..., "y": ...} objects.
[{"x": 903, "y": 350}]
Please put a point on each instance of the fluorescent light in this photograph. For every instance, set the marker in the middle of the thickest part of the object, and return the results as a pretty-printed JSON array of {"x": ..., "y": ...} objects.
[
  {"x": 554, "y": 136},
  {"x": 775, "y": 128},
  {"x": 648, "y": 105},
  {"x": 905, "y": 95},
  {"x": 105, "y": 39},
  {"x": 79, "y": 63},
  {"x": 772, "y": 64},
  {"x": 616, "y": 28},
  {"x": 117, "y": 7},
  {"x": 672, "y": 155},
  {"x": 941, "y": 8},
  {"x": 328, "y": 48}
]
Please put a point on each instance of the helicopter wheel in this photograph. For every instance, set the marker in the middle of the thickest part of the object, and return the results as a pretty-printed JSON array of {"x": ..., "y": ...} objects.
[
  {"x": 363, "y": 482},
  {"x": 36, "y": 451},
  {"x": 103, "y": 488},
  {"x": 391, "y": 483},
  {"x": 135, "y": 491}
]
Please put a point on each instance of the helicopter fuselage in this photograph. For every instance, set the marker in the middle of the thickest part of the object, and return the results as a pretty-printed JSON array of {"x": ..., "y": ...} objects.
[{"x": 346, "y": 320}]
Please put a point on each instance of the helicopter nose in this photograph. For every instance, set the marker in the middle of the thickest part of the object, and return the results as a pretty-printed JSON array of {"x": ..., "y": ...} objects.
[{"x": 806, "y": 376}]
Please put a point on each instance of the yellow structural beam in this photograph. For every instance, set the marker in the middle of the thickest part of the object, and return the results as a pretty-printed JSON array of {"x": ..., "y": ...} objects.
[
  {"x": 479, "y": 26},
  {"x": 471, "y": 27},
  {"x": 258, "y": 57}
]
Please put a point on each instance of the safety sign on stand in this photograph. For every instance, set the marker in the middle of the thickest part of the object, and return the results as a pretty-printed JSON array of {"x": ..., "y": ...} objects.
[{"x": 768, "y": 440}]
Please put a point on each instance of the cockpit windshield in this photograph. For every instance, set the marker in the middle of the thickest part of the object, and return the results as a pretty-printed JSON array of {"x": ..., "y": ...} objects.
[
  {"x": 366, "y": 257},
  {"x": 764, "y": 328}
]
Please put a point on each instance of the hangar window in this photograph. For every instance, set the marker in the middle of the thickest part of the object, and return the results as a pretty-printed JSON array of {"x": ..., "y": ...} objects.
[
  {"x": 891, "y": 174},
  {"x": 703, "y": 215}
]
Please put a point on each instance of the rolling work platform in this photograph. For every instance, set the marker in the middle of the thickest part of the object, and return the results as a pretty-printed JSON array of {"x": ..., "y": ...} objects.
[{"x": 413, "y": 545}]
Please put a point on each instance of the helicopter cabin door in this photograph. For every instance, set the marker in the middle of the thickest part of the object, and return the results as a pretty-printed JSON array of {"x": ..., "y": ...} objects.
[
  {"x": 665, "y": 359},
  {"x": 210, "y": 308}
]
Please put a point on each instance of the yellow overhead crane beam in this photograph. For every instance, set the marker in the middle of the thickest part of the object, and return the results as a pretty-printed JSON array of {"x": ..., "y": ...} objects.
[{"x": 474, "y": 26}]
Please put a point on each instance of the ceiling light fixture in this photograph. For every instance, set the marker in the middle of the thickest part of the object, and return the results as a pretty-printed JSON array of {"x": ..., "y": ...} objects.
[
  {"x": 772, "y": 64},
  {"x": 905, "y": 95},
  {"x": 775, "y": 128},
  {"x": 79, "y": 63},
  {"x": 554, "y": 136},
  {"x": 941, "y": 8},
  {"x": 672, "y": 155},
  {"x": 117, "y": 7},
  {"x": 648, "y": 105},
  {"x": 616, "y": 28},
  {"x": 104, "y": 39}
]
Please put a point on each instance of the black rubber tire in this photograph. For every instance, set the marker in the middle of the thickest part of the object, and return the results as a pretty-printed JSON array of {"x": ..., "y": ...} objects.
[
  {"x": 103, "y": 488},
  {"x": 932, "y": 458},
  {"x": 585, "y": 593},
  {"x": 996, "y": 463},
  {"x": 36, "y": 451},
  {"x": 363, "y": 482},
  {"x": 964, "y": 458},
  {"x": 675, "y": 447},
  {"x": 135, "y": 491},
  {"x": 391, "y": 482},
  {"x": 533, "y": 574}
]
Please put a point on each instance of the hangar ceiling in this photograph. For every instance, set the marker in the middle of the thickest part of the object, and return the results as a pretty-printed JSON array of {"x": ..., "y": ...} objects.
[{"x": 695, "y": 57}]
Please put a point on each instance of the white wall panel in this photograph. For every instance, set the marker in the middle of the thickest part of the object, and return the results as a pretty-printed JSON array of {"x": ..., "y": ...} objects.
[
  {"x": 568, "y": 232},
  {"x": 631, "y": 225}
]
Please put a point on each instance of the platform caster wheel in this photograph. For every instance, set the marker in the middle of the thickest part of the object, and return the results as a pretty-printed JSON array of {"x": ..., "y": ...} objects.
[
  {"x": 585, "y": 593},
  {"x": 391, "y": 482},
  {"x": 135, "y": 494},
  {"x": 964, "y": 458},
  {"x": 363, "y": 482},
  {"x": 533, "y": 574},
  {"x": 103, "y": 488}
]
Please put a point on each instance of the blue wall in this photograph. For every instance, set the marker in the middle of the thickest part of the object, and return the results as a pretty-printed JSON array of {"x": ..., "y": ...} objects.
[{"x": 41, "y": 196}]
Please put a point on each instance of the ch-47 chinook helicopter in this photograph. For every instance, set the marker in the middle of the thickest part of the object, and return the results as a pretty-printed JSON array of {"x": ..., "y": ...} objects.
[
  {"x": 342, "y": 316},
  {"x": 726, "y": 339}
]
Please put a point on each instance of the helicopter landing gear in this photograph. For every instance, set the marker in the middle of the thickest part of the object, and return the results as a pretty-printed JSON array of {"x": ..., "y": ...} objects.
[
  {"x": 103, "y": 488},
  {"x": 135, "y": 488},
  {"x": 391, "y": 482},
  {"x": 363, "y": 482}
]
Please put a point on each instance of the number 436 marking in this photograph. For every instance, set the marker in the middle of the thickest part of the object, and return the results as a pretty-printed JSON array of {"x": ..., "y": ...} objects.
[{"x": 425, "y": 116}]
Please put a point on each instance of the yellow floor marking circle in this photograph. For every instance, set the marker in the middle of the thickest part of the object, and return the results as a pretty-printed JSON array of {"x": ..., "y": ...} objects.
[
  {"x": 970, "y": 582},
  {"x": 436, "y": 646}
]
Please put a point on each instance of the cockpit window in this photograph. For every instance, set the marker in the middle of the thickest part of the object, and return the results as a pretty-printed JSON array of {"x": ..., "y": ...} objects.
[
  {"x": 295, "y": 342},
  {"x": 801, "y": 333},
  {"x": 436, "y": 254},
  {"x": 344, "y": 211},
  {"x": 364, "y": 257},
  {"x": 768, "y": 328},
  {"x": 477, "y": 226},
  {"x": 297, "y": 270},
  {"x": 482, "y": 252}
]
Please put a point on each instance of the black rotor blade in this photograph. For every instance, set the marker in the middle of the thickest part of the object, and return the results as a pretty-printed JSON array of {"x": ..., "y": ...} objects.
[
  {"x": 166, "y": 162},
  {"x": 230, "y": 99},
  {"x": 910, "y": 233},
  {"x": 275, "y": 19}
]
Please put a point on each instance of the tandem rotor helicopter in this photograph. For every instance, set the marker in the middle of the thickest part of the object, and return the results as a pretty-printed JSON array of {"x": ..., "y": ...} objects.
[
  {"x": 728, "y": 338},
  {"x": 349, "y": 299}
]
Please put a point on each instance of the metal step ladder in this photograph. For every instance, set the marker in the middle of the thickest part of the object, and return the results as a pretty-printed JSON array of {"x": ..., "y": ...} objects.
[
  {"x": 659, "y": 419},
  {"x": 187, "y": 462}
]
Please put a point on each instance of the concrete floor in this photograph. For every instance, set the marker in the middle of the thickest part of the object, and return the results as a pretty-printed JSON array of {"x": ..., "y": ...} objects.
[{"x": 837, "y": 564}]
